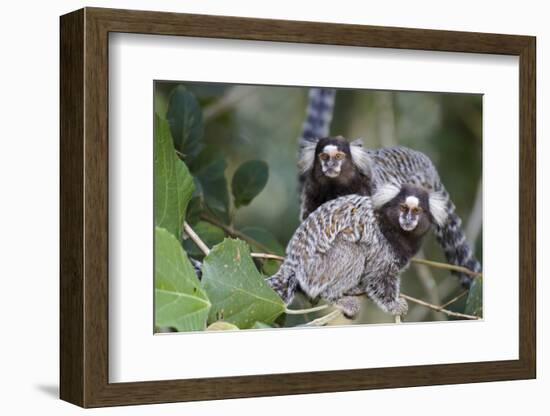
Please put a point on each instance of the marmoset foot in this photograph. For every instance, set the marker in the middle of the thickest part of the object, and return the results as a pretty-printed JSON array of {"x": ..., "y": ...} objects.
[
  {"x": 399, "y": 307},
  {"x": 349, "y": 305}
]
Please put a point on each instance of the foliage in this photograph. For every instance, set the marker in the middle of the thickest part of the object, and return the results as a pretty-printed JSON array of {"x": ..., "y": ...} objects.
[
  {"x": 185, "y": 119},
  {"x": 180, "y": 301},
  {"x": 232, "y": 293},
  {"x": 238, "y": 292},
  {"x": 248, "y": 181},
  {"x": 232, "y": 173},
  {"x": 474, "y": 302},
  {"x": 173, "y": 184}
]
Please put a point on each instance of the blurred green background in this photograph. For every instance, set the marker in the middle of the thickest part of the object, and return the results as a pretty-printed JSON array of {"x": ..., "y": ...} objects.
[{"x": 244, "y": 123}]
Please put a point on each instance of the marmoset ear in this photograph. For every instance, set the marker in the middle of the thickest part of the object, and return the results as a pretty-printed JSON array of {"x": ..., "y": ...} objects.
[
  {"x": 385, "y": 194},
  {"x": 438, "y": 207},
  {"x": 306, "y": 154},
  {"x": 360, "y": 157}
]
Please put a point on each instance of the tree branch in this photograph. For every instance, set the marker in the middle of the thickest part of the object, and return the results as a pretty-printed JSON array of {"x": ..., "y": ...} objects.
[
  {"x": 196, "y": 239},
  {"x": 438, "y": 308},
  {"x": 457, "y": 297},
  {"x": 236, "y": 233},
  {"x": 325, "y": 319},
  {"x": 446, "y": 266},
  {"x": 233, "y": 232}
]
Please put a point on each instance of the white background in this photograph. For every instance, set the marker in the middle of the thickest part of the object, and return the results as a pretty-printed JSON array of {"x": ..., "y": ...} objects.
[
  {"x": 29, "y": 220},
  {"x": 135, "y": 355}
]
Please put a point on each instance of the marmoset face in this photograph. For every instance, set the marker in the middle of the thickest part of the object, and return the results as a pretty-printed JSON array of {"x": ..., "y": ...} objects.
[
  {"x": 409, "y": 210},
  {"x": 331, "y": 159},
  {"x": 409, "y": 213}
]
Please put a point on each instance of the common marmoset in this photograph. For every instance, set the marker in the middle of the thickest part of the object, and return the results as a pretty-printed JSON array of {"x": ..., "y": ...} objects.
[{"x": 355, "y": 245}]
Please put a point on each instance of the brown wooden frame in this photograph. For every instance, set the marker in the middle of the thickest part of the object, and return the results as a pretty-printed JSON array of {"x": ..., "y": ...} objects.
[{"x": 84, "y": 207}]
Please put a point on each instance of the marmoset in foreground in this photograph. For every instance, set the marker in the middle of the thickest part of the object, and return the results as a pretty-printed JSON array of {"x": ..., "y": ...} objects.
[{"x": 356, "y": 245}]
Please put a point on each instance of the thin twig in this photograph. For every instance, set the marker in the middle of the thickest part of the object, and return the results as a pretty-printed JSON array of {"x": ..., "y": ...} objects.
[
  {"x": 438, "y": 308},
  {"x": 457, "y": 297},
  {"x": 196, "y": 239},
  {"x": 414, "y": 260},
  {"x": 234, "y": 233},
  {"x": 446, "y": 266},
  {"x": 323, "y": 320},
  {"x": 304, "y": 311},
  {"x": 267, "y": 256}
]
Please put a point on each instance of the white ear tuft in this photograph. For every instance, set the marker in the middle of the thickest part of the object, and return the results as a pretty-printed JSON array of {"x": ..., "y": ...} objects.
[
  {"x": 438, "y": 208},
  {"x": 385, "y": 194},
  {"x": 360, "y": 157},
  {"x": 307, "y": 154}
]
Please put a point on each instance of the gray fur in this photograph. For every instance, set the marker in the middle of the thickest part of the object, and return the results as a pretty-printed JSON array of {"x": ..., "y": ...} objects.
[
  {"x": 378, "y": 166},
  {"x": 346, "y": 248},
  {"x": 400, "y": 165}
]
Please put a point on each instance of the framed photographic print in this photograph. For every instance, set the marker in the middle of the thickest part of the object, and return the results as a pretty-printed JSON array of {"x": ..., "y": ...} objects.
[{"x": 256, "y": 207}]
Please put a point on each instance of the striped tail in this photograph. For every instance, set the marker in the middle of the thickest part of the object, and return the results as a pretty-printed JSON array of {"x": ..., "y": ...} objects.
[
  {"x": 284, "y": 283},
  {"x": 316, "y": 126},
  {"x": 455, "y": 246},
  {"x": 318, "y": 114}
]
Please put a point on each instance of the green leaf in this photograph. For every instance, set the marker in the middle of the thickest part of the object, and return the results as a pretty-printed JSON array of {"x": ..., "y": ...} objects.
[
  {"x": 209, "y": 234},
  {"x": 209, "y": 170},
  {"x": 180, "y": 301},
  {"x": 248, "y": 181},
  {"x": 238, "y": 293},
  {"x": 194, "y": 210},
  {"x": 184, "y": 116},
  {"x": 173, "y": 183},
  {"x": 474, "y": 303},
  {"x": 268, "y": 241},
  {"x": 222, "y": 326},
  {"x": 265, "y": 238}
]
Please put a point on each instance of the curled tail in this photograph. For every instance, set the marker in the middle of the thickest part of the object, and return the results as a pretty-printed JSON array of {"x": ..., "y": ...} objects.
[
  {"x": 455, "y": 246},
  {"x": 284, "y": 283}
]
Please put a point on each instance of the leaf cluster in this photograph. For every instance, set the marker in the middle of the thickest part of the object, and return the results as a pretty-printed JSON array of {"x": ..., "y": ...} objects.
[{"x": 190, "y": 183}]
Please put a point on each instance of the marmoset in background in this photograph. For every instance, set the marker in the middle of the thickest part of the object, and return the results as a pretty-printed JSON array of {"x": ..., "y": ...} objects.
[
  {"x": 356, "y": 245},
  {"x": 330, "y": 167}
]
